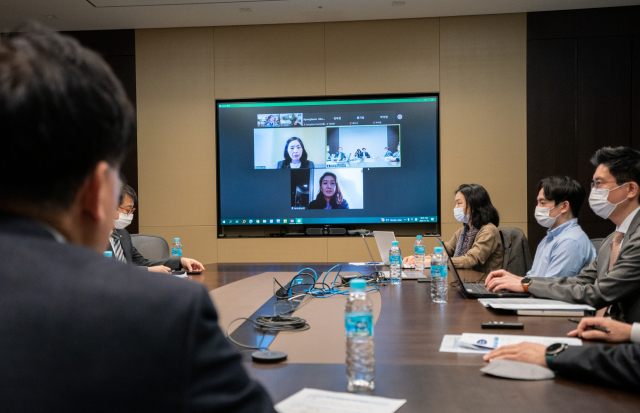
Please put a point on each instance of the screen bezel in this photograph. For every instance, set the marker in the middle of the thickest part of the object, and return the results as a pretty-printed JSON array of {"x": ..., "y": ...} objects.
[{"x": 387, "y": 226}]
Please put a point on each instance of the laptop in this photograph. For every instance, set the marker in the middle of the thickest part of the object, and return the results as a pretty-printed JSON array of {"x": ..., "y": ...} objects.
[
  {"x": 383, "y": 240},
  {"x": 471, "y": 290}
]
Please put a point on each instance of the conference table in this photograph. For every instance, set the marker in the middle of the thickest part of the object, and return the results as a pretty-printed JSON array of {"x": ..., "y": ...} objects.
[{"x": 408, "y": 332}]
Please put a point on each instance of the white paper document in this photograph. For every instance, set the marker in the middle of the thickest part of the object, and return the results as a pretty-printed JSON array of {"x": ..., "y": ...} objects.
[
  {"x": 532, "y": 304},
  {"x": 365, "y": 263},
  {"x": 321, "y": 401},
  {"x": 484, "y": 343}
]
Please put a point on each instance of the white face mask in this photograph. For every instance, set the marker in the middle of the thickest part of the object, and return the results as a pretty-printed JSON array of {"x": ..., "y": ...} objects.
[
  {"x": 460, "y": 215},
  {"x": 543, "y": 218},
  {"x": 600, "y": 204},
  {"x": 123, "y": 221}
]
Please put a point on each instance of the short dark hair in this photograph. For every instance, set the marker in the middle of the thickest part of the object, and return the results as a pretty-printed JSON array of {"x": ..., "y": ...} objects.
[
  {"x": 561, "y": 188},
  {"x": 62, "y": 110},
  {"x": 623, "y": 163},
  {"x": 480, "y": 207},
  {"x": 127, "y": 190}
]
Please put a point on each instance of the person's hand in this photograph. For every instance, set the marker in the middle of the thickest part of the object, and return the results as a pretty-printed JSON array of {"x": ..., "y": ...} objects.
[
  {"x": 160, "y": 268},
  {"x": 531, "y": 353},
  {"x": 618, "y": 332},
  {"x": 410, "y": 260},
  {"x": 503, "y": 280},
  {"x": 191, "y": 265}
]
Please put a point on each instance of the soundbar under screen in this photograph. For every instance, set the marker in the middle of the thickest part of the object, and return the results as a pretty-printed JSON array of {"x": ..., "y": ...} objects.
[{"x": 328, "y": 161}]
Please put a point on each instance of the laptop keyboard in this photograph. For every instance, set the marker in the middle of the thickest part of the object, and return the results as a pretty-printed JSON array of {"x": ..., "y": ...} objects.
[
  {"x": 476, "y": 288},
  {"x": 481, "y": 289}
]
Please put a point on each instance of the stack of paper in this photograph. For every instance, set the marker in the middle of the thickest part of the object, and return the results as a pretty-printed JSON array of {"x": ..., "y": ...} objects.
[
  {"x": 484, "y": 343},
  {"x": 537, "y": 306},
  {"x": 322, "y": 401}
]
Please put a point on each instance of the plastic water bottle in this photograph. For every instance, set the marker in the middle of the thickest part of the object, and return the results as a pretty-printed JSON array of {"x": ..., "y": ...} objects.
[
  {"x": 358, "y": 320},
  {"x": 439, "y": 269},
  {"x": 395, "y": 259},
  {"x": 108, "y": 254},
  {"x": 176, "y": 248},
  {"x": 418, "y": 253}
]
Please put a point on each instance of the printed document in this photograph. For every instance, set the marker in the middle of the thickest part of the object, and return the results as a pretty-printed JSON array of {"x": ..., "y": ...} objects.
[
  {"x": 484, "y": 343},
  {"x": 531, "y": 304},
  {"x": 322, "y": 401}
]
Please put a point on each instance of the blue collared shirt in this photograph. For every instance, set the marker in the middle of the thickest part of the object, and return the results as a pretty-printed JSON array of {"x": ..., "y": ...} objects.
[{"x": 563, "y": 252}]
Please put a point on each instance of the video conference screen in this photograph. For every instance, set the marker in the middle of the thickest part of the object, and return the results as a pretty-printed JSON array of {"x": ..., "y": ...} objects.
[{"x": 329, "y": 161}]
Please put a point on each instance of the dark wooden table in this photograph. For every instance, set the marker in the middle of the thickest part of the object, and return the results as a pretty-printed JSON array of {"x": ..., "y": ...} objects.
[{"x": 408, "y": 362}]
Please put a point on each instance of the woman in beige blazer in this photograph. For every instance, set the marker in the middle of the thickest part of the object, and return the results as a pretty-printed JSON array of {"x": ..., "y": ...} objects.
[{"x": 477, "y": 245}]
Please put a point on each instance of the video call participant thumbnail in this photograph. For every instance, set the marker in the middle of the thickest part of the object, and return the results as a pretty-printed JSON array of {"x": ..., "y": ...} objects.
[
  {"x": 268, "y": 120},
  {"x": 281, "y": 148},
  {"x": 295, "y": 156},
  {"x": 329, "y": 196}
]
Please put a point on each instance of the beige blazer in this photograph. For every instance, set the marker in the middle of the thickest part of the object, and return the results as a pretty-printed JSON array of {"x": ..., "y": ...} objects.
[{"x": 485, "y": 254}]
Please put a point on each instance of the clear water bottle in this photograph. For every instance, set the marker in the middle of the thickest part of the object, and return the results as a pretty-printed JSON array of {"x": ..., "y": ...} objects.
[
  {"x": 176, "y": 248},
  {"x": 418, "y": 253},
  {"x": 395, "y": 259},
  {"x": 439, "y": 270},
  {"x": 358, "y": 320},
  {"x": 108, "y": 254}
]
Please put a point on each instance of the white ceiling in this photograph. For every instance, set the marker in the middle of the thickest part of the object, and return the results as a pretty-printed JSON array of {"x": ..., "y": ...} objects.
[{"x": 134, "y": 14}]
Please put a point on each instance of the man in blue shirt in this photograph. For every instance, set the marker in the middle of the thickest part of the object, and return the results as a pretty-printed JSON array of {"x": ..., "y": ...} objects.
[{"x": 566, "y": 249}]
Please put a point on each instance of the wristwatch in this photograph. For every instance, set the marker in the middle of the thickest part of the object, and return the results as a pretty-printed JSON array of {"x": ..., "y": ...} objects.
[
  {"x": 526, "y": 282},
  {"x": 552, "y": 352}
]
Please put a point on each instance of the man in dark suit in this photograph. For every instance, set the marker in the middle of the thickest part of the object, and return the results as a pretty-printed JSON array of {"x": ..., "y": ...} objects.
[
  {"x": 123, "y": 250},
  {"x": 617, "y": 367},
  {"x": 612, "y": 280},
  {"x": 81, "y": 332}
]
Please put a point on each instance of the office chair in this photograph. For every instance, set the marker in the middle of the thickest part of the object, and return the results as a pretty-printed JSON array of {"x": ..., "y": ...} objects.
[
  {"x": 152, "y": 247},
  {"x": 597, "y": 243}
]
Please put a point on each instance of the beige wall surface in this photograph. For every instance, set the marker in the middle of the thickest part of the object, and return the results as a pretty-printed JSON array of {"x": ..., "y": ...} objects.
[{"x": 477, "y": 63}]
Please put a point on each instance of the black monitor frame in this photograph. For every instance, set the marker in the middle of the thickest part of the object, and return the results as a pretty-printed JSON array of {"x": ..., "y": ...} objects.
[{"x": 261, "y": 231}]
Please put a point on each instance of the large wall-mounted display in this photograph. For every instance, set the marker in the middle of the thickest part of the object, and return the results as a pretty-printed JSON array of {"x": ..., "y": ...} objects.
[{"x": 328, "y": 161}]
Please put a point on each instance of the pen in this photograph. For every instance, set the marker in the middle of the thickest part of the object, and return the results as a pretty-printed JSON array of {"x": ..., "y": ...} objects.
[{"x": 604, "y": 330}]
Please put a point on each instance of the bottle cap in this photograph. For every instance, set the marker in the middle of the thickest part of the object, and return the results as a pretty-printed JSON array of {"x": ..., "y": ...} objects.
[
  {"x": 419, "y": 236},
  {"x": 437, "y": 250},
  {"x": 176, "y": 239},
  {"x": 108, "y": 254},
  {"x": 358, "y": 284},
  {"x": 394, "y": 243}
]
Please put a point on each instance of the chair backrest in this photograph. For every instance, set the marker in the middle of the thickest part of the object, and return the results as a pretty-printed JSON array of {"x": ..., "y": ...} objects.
[
  {"x": 515, "y": 249},
  {"x": 597, "y": 242},
  {"x": 152, "y": 247}
]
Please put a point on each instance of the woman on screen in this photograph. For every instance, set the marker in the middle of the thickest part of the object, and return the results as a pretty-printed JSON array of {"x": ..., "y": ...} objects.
[
  {"x": 295, "y": 156},
  {"x": 477, "y": 245},
  {"x": 329, "y": 196}
]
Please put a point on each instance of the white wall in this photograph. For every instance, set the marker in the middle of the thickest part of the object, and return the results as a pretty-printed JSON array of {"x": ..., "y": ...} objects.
[{"x": 374, "y": 138}]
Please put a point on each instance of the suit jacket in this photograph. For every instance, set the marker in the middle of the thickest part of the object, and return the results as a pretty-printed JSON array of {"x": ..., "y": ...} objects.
[
  {"x": 306, "y": 165},
  {"x": 517, "y": 257},
  {"x": 603, "y": 365},
  {"x": 84, "y": 333},
  {"x": 595, "y": 285},
  {"x": 133, "y": 256}
]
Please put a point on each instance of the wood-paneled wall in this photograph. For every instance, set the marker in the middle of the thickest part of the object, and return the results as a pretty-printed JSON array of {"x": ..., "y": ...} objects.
[
  {"x": 583, "y": 84},
  {"x": 478, "y": 64}
]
